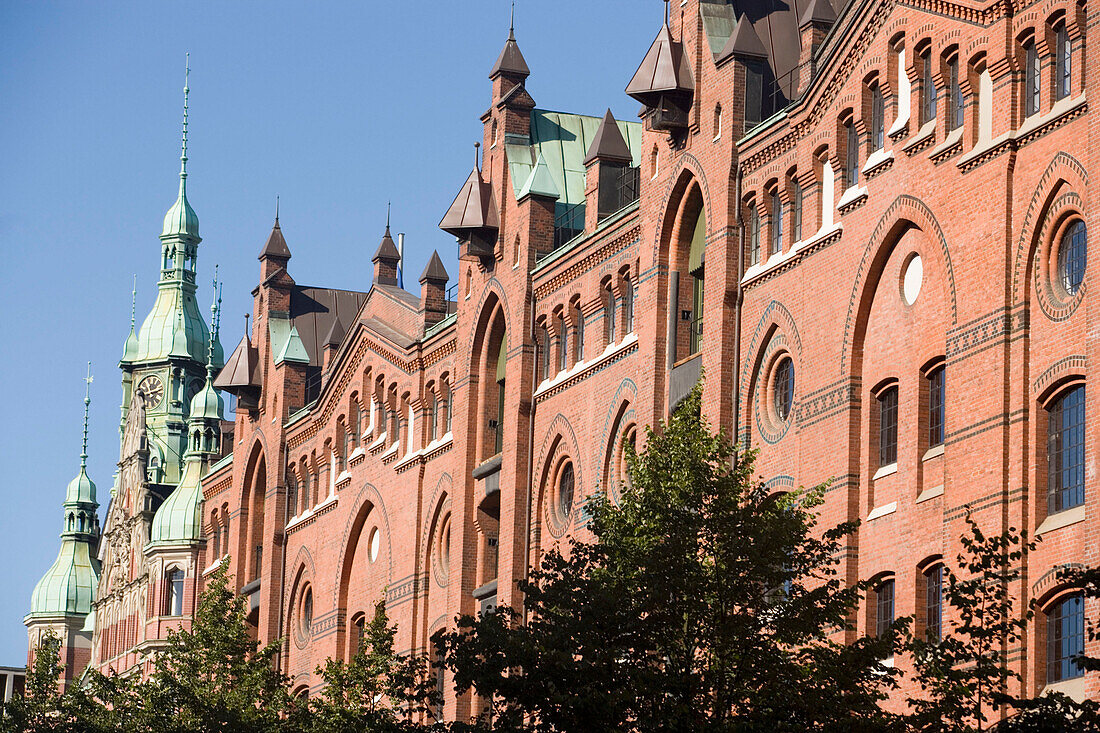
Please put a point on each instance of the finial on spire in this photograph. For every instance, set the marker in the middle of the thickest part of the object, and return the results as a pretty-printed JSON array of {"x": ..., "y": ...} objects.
[
  {"x": 133, "y": 303},
  {"x": 215, "y": 308},
  {"x": 87, "y": 401},
  {"x": 666, "y": 12},
  {"x": 246, "y": 317},
  {"x": 276, "y": 209},
  {"x": 387, "y": 217},
  {"x": 477, "y": 158},
  {"x": 512, "y": 23},
  {"x": 186, "y": 91}
]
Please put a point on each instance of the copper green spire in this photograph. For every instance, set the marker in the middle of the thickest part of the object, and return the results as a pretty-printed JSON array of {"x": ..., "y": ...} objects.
[
  {"x": 130, "y": 350},
  {"x": 181, "y": 219}
]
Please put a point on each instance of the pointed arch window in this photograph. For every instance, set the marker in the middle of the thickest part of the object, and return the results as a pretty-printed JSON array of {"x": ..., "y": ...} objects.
[
  {"x": 563, "y": 344},
  {"x": 697, "y": 270},
  {"x": 628, "y": 303},
  {"x": 1063, "y": 62},
  {"x": 498, "y": 424},
  {"x": 1032, "y": 77},
  {"x": 609, "y": 313}
]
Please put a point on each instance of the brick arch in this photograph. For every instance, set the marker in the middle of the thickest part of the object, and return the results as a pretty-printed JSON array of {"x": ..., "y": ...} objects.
[
  {"x": 621, "y": 404},
  {"x": 439, "y": 505},
  {"x": 367, "y": 502},
  {"x": 493, "y": 289},
  {"x": 558, "y": 436},
  {"x": 905, "y": 211},
  {"x": 1063, "y": 171},
  {"x": 776, "y": 319},
  {"x": 304, "y": 572},
  {"x": 688, "y": 170},
  {"x": 1066, "y": 368}
]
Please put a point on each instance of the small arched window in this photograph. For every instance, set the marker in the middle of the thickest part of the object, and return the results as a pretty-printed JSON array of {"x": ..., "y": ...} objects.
[
  {"x": 1065, "y": 638},
  {"x": 610, "y": 313},
  {"x": 1066, "y": 451},
  {"x": 777, "y": 222},
  {"x": 878, "y": 117},
  {"x": 305, "y": 614},
  {"x": 433, "y": 418},
  {"x": 1032, "y": 79},
  {"x": 544, "y": 352},
  {"x": 796, "y": 209},
  {"x": 754, "y": 234},
  {"x": 717, "y": 121},
  {"x": 578, "y": 318},
  {"x": 888, "y": 426},
  {"x": 1063, "y": 62},
  {"x": 291, "y": 493},
  {"x": 783, "y": 388},
  {"x": 565, "y": 490},
  {"x": 628, "y": 303},
  {"x": 937, "y": 406},
  {"x": 884, "y": 606},
  {"x": 173, "y": 605},
  {"x": 851, "y": 167},
  {"x": 358, "y": 635},
  {"x": 563, "y": 344}
]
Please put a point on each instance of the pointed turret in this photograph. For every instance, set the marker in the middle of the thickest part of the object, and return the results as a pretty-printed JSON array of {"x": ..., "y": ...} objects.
[
  {"x": 181, "y": 220},
  {"x": 241, "y": 374},
  {"x": 511, "y": 61},
  {"x": 472, "y": 216},
  {"x": 433, "y": 291},
  {"x": 275, "y": 247},
  {"x": 609, "y": 143},
  {"x": 67, "y": 590},
  {"x": 386, "y": 259},
  {"x": 130, "y": 349},
  {"x": 743, "y": 43},
  {"x": 663, "y": 82},
  {"x": 335, "y": 333}
]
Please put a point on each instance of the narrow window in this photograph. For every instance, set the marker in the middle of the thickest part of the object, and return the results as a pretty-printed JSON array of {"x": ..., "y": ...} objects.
[
  {"x": 306, "y": 616},
  {"x": 884, "y": 607},
  {"x": 565, "y": 491},
  {"x": 502, "y": 355},
  {"x": 928, "y": 88},
  {"x": 717, "y": 121},
  {"x": 956, "y": 101},
  {"x": 1031, "y": 79},
  {"x": 936, "y": 407},
  {"x": 174, "y": 605},
  {"x": 544, "y": 345},
  {"x": 696, "y": 335},
  {"x": 215, "y": 536},
  {"x": 563, "y": 344},
  {"x": 579, "y": 316},
  {"x": 777, "y": 223},
  {"x": 1066, "y": 451},
  {"x": 754, "y": 234},
  {"x": 933, "y": 603},
  {"x": 433, "y": 423},
  {"x": 878, "y": 117},
  {"x": 796, "y": 228},
  {"x": 1062, "y": 62},
  {"x": 783, "y": 387},
  {"x": 851, "y": 169},
  {"x": 628, "y": 304},
  {"x": 359, "y": 634},
  {"x": 291, "y": 495},
  {"x": 888, "y": 427},
  {"x": 1066, "y": 639},
  {"x": 609, "y": 314}
]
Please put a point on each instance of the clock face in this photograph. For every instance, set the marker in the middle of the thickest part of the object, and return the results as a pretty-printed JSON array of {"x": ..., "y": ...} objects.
[{"x": 153, "y": 390}]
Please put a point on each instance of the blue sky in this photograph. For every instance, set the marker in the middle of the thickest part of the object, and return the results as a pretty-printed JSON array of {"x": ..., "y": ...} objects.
[{"x": 335, "y": 106}]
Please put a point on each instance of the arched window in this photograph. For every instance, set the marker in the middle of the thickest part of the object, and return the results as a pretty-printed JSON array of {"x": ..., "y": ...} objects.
[
  {"x": 501, "y": 359},
  {"x": 628, "y": 303},
  {"x": 878, "y": 117},
  {"x": 1032, "y": 76},
  {"x": 1065, "y": 638},
  {"x": 305, "y": 613},
  {"x": 936, "y": 406},
  {"x": 544, "y": 352},
  {"x": 888, "y": 426},
  {"x": 754, "y": 234},
  {"x": 609, "y": 314},
  {"x": 1066, "y": 451},
  {"x": 933, "y": 602},
  {"x": 928, "y": 88},
  {"x": 955, "y": 100},
  {"x": 215, "y": 536},
  {"x": 796, "y": 210},
  {"x": 563, "y": 344},
  {"x": 697, "y": 270},
  {"x": 291, "y": 493},
  {"x": 851, "y": 166},
  {"x": 358, "y": 634},
  {"x": 883, "y": 597},
  {"x": 777, "y": 222},
  {"x": 433, "y": 418},
  {"x": 224, "y": 544},
  {"x": 717, "y": 121},
  {"x": 1073, "y": 256},
  {"x": 783, "y": 388},
  {"x": 578, "y": 318},
  {"x": 173, "y": 600},
  {"x": 1063, "y": 62},
  {"x": 565, "y": 490}
]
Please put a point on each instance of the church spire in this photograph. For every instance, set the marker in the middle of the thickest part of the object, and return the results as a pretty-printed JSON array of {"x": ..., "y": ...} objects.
[{"x": 181, "y": 220}]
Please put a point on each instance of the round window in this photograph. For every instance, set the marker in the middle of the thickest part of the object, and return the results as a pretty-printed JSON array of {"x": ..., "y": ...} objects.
[
  {"x": 565, "y": 490},
  {"x": 783, "y": 386},
  {"x": 1072, "y": 257},
  {"x": 375, "y": 542}
]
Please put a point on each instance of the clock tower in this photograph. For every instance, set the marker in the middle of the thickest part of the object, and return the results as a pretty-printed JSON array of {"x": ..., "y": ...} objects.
[{"x": 165, "y": 361}]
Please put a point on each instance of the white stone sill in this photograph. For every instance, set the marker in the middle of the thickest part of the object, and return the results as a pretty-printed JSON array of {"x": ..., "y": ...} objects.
[
  {"x": 1062, "y": 519},
  {"x": 1030, "y": 124},
  {"x": 931, "y": 493},
  {"x": 377, "y": 442},
  {"x": 392, "y": 449},
  {"x": 934, "y": 452},
  {"x": 1075, "y": 688},
  {"x": 430, "y": 447},
  {"x": 927, "y": 130},
  {"x": 882, "y": 511},
  {"x": 295, "y": 521},
  {"x": 780, "y": 257},
  {"x": 851, "y": 195},
  {"x": 888, "y": 470},
  {"x": 612, "y": 349},
  {"x": 876, "y": 159},
  {"x": 953, "y": 138},
  {"x": 898, "y": 126}
]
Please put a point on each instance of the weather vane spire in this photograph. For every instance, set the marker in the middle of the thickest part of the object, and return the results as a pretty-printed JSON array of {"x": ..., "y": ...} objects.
[
  {"x": 276, "y": 212},
  {"x": 387, "y": 217},
  {"x": 512, "y": 23},
  {"x": 186, "y": 91},
  {"x": 215, "y": 315},
  {"x": 87, "y": 402},
  {"x": 133, "y": 303}
]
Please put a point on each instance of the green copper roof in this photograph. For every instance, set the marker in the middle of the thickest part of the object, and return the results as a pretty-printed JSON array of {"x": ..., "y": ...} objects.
[
  {"x": 179, "y": 518},
  {"x": 81, "y": 489},
  {"x": 286, "y": 343},
  {"x": 562, "y": 140},
  {"x": 68, "y": 587},
  {"x": 540, "y": 182},
  {"x": 207, "y": 404},
  {"x": 174, "y": 327}
]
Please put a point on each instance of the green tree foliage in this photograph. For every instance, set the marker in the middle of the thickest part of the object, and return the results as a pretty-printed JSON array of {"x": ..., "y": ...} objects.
[
  {"x": 41, "y": 707},
  {"x": 377, "y": 691},
  {"x": 704, "y": 604}
]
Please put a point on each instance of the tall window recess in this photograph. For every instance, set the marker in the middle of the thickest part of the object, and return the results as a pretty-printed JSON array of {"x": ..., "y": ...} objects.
[
  {"x": 777, "y": 222},
  {"x": 696, "y": 268},
  {"x": 754, "y": 234},
  {"x": 1032, "y": 77},
  {"x": 1066, "y": 451},
  {"x": 928, "y": 88},
  {"x": 878, "y": 118},
  {"x": 173, "y": 605},
  {"x": 498, "y": 424},
  {"x": 884, "y": 606},
  {"x": 1063, "y": 62},
  {"x": 933, "y": 602},
  {"x": 1072, "y": 257},
  {"x": 563, "y": 344},
  {"x": 796, "y": 218},
  {"x": 609, "y": 313},
  {"x": 851, "y": 166},
  {"x": 955, "y": 100},
  {"x": 888, "y": 427},
  {"x": 544, "y": 353},
  {"x": 291, "y": 493},
  {"x": 936, "y": 406},
  {"x": 1065, "y": 638},
  {"x": 578, "y": 341},
  {"x": 628, "y": 304},
  {"x": 433, "y": 418}
]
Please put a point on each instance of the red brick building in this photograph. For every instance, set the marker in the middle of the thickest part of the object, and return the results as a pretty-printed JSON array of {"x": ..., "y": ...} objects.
[{"x": 866, "y": 223}]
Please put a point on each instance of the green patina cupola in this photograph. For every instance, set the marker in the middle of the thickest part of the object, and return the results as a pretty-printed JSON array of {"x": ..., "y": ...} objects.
[{"x": 68, "y": 588}]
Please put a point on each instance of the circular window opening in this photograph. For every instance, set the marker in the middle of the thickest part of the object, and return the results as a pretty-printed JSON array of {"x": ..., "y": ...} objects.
[
  {"x": 1072, "y": 257},
  {"x": 565, "y": 490},
  {"x": 912, "y": 278},
  {"x": 305, "y": 617},
  {"x": 375, "y": 542},
  {"x": 783, "y": 387}
]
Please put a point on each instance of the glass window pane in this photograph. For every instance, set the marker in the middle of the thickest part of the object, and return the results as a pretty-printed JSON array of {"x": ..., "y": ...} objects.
[
  {"x": 1065, "y": 639},
  {"x": 936, "y": 407},
  {"x": 1066, "y": 451},
  {"x": 888, "y": 427},
  {"x": 884, "y": 598}
]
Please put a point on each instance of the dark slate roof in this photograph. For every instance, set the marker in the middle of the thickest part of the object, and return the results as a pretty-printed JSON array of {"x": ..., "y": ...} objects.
[
  {"x": 665, "y": 68},
  {"x": 608, "y": 144},
  {"x": 276, "y": 244},
  {"x": 818, "y": 11},
  {"x": 434, "y": 270},
  {"x": 313, "y": 311},
  {"x": 399, "y": 294},
  {"x": 335, "y": 333},
  {"x": 743, "y": 42},
  {"x": 242, "y": 369},
  {"x": 387, "y": 250},
  {"x": 510, "y": 61},
  {"x": 473, "y": 208}
]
